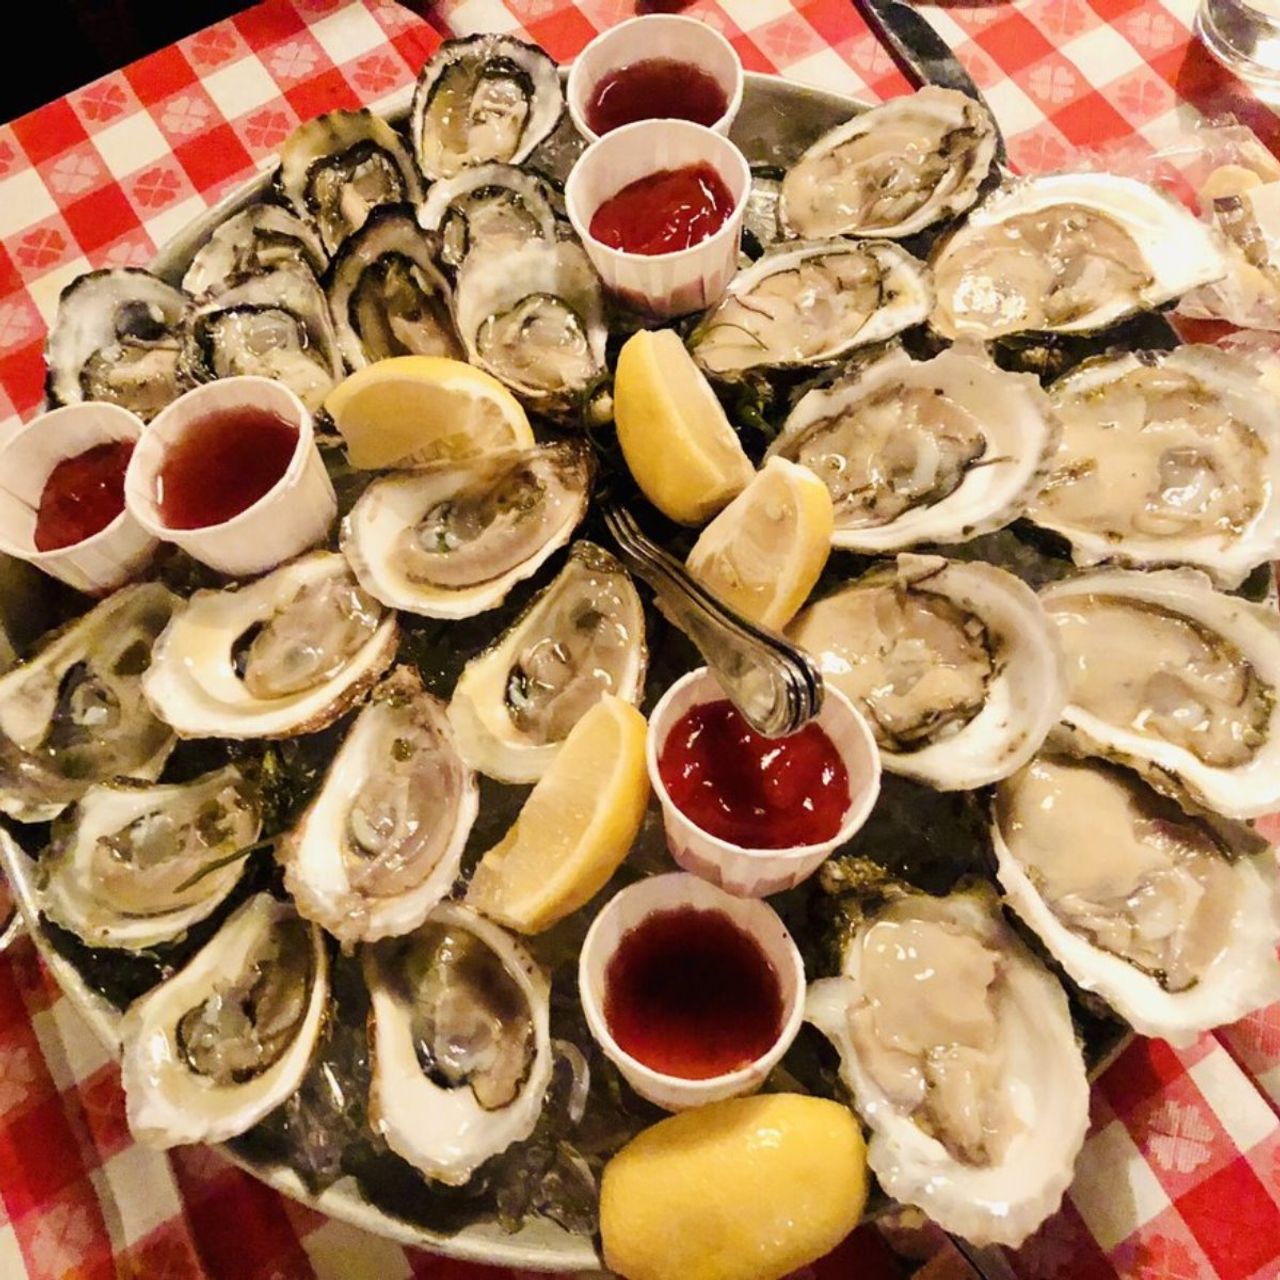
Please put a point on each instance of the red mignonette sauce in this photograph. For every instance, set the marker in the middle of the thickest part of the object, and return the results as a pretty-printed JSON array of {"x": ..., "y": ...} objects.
[
  {"x": 689, "y": 994},
  {"x": 222, "y": 465},
  {"x": 655, "y": 88},
  {"x": 754, "y": 792},
  {"x": 664, "y": 212},
  {"x": 82, "y": 495}
]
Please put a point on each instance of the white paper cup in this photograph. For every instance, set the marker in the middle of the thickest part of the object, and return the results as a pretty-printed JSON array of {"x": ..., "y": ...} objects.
[
  {"x": 658, "y": 35},
  {"x": 759, "y": 872},
  {"x": 294, "y": 514},
  {"x": 663, "y": 284},
  {"x": 630, "y": 907},
  {"x": 96, "y": 564}
]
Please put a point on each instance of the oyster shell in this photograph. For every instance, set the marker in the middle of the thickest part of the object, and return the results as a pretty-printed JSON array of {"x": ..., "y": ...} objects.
[
  {"x": 1171, "y": 919},
  {"x": 381, "y": 843},
  {"x": 1166, "y": 457},
  {"x": 1175, "y": 679},
  {"x": 255, "y": 241},
  {"x": 940, "y": 450},
  {"x": 955, "y": 666},
  {"x": 228, "y": 1038},
  {"x": 811, "y": 302},
  {"x": 336, "y": 169},
  {"x": 460, "y": 1041},
  {"x": 480, "y": 99},
  {"x": 958, "y": 1049},
  {"x": 136, "y": 864},
  {"x": 581, "y": 637},
  {"x": 286, "y": 654},
  {"x": 386, "y": 295},
  {"x": 893, "y": 170},
  {"x": 450, "y": 540},
  {"x": 117, "y": 337},
  {"x": 1068, "y": 253},
  {"x": 73, "y": 715}
]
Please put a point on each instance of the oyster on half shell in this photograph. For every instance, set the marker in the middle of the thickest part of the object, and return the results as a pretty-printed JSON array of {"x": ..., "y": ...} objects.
[{"x": 254, "y": 242}]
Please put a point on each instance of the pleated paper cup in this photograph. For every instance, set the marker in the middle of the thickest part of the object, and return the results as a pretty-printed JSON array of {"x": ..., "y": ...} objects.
[
  {"x": 736, "y": 868},
  {"x": 631, "y": 907},
  {"x": 296, "y": 513},
  {"x": 661, "y": 284},
  {"x": 96, "y": 564}
]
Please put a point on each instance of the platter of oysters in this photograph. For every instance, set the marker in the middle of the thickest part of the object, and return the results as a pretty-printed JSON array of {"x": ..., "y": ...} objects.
[{"x": 351, "y": 856}]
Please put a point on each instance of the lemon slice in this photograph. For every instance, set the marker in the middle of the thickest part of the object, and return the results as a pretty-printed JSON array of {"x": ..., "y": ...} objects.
[
  {"x": 679, "y": 445},
  {"x": 576, "y": 827},
  {"x": 766, "y": 550},
  {"x": 747, "y": 1189},
  {"x": 415, "y": 409}
]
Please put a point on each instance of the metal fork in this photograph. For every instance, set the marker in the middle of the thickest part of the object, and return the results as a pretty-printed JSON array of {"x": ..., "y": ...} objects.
[{"x": 777, "y": 687}]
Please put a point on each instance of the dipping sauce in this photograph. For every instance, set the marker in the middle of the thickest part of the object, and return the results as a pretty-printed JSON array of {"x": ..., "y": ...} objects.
[
  {"x": 655, "y": 89},
  {"x": 82, "y": 495},
  {"x": 222, "y": 465},
  {"x": 753, "y": 791},
  {"x": 664, "y": 211},
  {"x": 689, "y": 994}
]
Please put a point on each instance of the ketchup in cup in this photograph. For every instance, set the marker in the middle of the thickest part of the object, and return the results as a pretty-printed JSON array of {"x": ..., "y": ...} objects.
[
  {"x": 664, "y": 212},
  {"x": 655, "y": 89},
  {"x": 82, "y": 495}
]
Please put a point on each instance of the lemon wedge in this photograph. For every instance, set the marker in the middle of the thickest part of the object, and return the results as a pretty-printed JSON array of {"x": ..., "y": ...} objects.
[
  {"x": 415, "y": 409},
  {"x": 766, "y": 550},
  {"x": 674, "y": 435},
  {"x": 747, "y": 1189},
  {"x": 576, "y": 827}
]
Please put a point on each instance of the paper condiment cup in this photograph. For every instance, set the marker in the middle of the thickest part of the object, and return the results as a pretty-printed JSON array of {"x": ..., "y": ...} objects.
[
  {"x": 759, "y": 872},
  {"x": 96, "y": 564},
  {"x": 687, "y": 40},
  {"x": 631, "y": 907},
  {"x": 663, "y": 284},
  {"x": 294, "y": 514}
]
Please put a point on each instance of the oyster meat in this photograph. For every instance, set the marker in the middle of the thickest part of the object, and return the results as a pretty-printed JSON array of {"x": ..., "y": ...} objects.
[
  {"x": 381, "y": 844},
  {"x": 955, "y": 666},
  {"x": 460, "y": 1042},
  {"x": 284, "y": 655},
  {"x": 255, "y": 241},
  {"x": 1172, "y": 919},
  {"x": 228, "y": 1038}
]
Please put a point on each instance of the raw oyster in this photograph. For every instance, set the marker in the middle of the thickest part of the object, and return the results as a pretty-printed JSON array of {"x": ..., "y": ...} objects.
[
  {"x": 1171, "y": 919},
  {"x": 254, "y": 242},
  {"x": 73, "y": 715},
  {"x": 386, "y": 295},
  {"x": 461, "y": 1044},
  {"x": 811, "y": 302},
  {"x": 117, "y": 337},
  {"x": 1175, "y": 679},
  {"x": 381, "y": 844},
  {"x": 136, "y": 864},
  {"x": 958, "y": 1049},
  {"x": 1068, "y": 253},
  {"x": 934, "y": 451},
  {"x": 483, "y": 98},
  {"x": 955, "y": 666},
  {"x": 228, "y": 1038},
  {"x": 893, "y": 170},
  {"x": 336, "y": 169},
  {"x": 284, "y": 655},
  {"x": 1166, "y": 457},
  {"x": 450, "y": 540},
  {"x": 485, "y": 204},
  {"x": 581, "y": 637},
  {"x": 275, "y": 325},
  {"x": 533, "y": 316}
]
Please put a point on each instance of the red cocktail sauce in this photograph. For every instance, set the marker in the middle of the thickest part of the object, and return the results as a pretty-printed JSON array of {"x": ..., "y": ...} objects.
[
  {"x": 82, "y": 495},
  {"x": 664, "y": 211},
  {"x": 691, "y": 995},
  {"x": 222, "y": 465},
  {"x": 755, "y": 792},
  {"x": 655, "y": 89}
]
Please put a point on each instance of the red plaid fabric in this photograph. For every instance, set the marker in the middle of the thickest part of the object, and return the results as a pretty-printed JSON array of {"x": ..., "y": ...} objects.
[{"x": 1180, "y": 1176}]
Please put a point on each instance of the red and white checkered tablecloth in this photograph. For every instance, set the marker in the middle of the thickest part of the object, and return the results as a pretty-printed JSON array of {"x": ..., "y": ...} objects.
[{"x": 1180, "y": 1177}]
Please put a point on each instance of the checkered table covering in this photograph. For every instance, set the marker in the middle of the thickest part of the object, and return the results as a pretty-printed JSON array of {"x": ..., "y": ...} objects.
[{"x": 1180, "y": 1177}]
